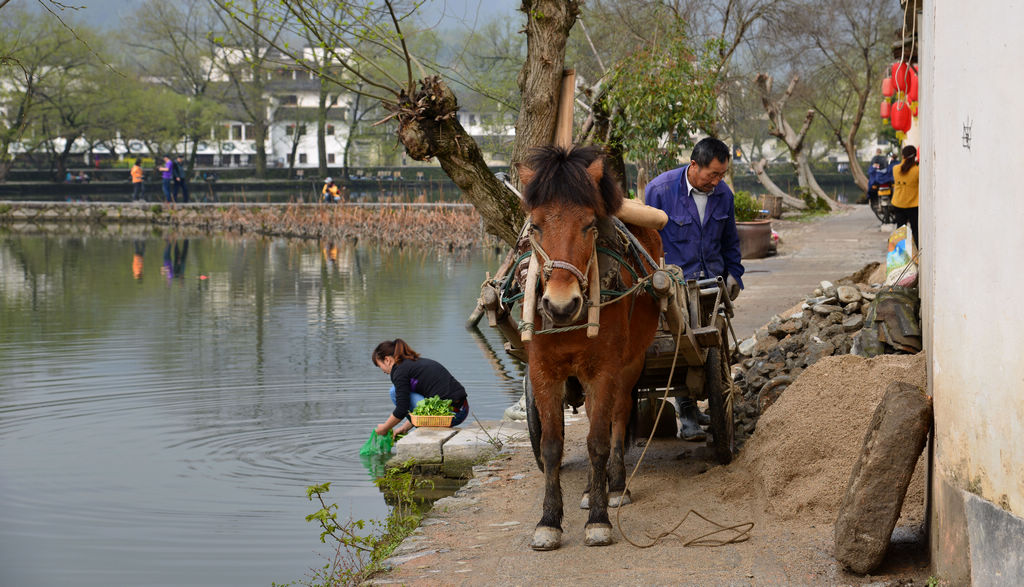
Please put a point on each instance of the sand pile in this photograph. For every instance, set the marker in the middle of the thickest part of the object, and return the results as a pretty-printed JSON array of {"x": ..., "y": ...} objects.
[{"x": 805, "y": 446}]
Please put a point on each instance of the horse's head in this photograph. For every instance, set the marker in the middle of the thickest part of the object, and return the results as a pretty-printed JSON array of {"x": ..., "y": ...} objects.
[{"x": 565, "y": 194}]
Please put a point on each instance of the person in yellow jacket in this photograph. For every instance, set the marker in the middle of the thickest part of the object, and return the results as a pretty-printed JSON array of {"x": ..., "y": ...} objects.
[
  {"x": 331, "y": 194},
  {"x": 136, "y": 174},
  {"x": 904, "y": 193}
]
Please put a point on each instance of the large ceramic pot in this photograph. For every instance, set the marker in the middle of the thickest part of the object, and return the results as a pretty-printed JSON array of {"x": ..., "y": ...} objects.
[{"x": 755, "y": 238}]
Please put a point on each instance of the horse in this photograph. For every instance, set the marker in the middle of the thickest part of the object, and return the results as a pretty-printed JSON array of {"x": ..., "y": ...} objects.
[{"x": 567, "y": 194}]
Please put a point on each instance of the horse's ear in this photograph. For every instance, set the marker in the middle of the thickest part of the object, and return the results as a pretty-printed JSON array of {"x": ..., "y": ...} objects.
[
  {"x": 596, "y": 170},
  {"x": 526, "y": 174}
]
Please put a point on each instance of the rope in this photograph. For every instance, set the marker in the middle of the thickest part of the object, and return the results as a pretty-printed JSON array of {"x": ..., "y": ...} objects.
[{"x": 741, "y": 531}]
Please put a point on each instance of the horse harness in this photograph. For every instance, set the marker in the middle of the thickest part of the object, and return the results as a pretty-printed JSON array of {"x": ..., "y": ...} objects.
[{"x": 614, "y": 243}]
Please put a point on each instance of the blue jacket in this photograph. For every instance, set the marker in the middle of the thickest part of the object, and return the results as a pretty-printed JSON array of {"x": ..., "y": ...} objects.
[
  {"x": 879, "y": 176},
  {"x": 702, "y": 251}
]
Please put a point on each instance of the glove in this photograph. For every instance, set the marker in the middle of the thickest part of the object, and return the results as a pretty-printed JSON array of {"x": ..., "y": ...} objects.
[{"x": 732, "y": 287}]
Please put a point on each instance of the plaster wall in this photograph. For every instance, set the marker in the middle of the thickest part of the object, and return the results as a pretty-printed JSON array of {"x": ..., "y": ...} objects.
[{"x": 972, "y": 220}]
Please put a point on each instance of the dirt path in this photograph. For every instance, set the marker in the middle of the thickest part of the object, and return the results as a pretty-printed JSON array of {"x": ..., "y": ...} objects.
[{"x": 788, "y": 482}]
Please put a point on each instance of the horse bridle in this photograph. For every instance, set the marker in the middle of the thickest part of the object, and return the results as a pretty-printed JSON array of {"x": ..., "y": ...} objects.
[{"x": 552, "y": 264}]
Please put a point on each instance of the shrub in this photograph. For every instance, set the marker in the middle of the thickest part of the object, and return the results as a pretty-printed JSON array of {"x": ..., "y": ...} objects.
[{"x": 747, "y": 208}]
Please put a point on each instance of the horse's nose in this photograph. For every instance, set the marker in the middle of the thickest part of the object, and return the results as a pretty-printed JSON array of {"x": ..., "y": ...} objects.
[{"x": 562, "y": 312}]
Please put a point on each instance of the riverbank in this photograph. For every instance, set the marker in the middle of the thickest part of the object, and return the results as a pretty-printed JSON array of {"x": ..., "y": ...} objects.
[{"x": 440, "y": 226}]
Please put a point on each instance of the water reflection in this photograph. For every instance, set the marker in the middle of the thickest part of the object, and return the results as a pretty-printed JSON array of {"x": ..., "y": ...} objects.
[{"x": 165, "y": 435}]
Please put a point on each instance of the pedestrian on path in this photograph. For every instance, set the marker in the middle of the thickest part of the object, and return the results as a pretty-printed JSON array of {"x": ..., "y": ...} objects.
[
  {"x": 167, "y": 174},
  {"x": 180, "y": 181},
  {"x": 136, "y": 173},
  {"x": 905, "y": 191}
]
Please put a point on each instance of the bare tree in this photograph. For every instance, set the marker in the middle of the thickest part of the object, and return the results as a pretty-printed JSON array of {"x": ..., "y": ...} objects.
[
  {"x": 843, "y": 46},
  {"x": 793, "y": 139}
]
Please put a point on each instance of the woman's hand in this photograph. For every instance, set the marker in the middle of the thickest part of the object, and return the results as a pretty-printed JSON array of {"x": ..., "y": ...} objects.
[{"x": 382, "y": 429}]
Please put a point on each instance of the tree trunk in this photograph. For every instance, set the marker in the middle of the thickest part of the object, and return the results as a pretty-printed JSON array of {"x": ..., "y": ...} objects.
[
  {"x": 547, "y": 28},
  {"x": 429, "y": 128},
  {"x": 805, "y": 177},
  {"x": 259, "y": 131},
  {"x": 758, "y": 167},
  {"x": 794, "y": 140},
  {"x": 859, "y": 177},
  {"x": 321, "y": 129},
  {"x": 345, "y": 170}
]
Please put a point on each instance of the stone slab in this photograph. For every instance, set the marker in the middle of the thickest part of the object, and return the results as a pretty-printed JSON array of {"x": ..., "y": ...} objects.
[
  {"x": 474, "y": 444},
  {"x": 880, "y": 477},
  {"x": 422, "y": 445}
]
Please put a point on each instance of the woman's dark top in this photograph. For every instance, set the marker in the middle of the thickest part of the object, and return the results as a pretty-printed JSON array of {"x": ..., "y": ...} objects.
[{"x": 431, "y": 379}]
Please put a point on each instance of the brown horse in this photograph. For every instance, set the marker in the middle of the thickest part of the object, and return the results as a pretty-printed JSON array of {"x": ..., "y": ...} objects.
[{"x": 567, "y": 194}]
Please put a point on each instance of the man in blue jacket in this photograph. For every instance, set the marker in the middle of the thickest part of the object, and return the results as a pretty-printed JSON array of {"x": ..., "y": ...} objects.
[{"x": 700, "y": 236}]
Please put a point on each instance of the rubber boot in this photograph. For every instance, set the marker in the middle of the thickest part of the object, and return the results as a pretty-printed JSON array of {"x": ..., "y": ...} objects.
[{"x": 687, "y": 417}]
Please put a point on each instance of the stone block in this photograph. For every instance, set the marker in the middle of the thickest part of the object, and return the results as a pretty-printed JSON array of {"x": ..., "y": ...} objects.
[
  {"x": 422, "y": 446},
  {"x": 880, "y": 477},
  {"x": 479, "y": 442}
]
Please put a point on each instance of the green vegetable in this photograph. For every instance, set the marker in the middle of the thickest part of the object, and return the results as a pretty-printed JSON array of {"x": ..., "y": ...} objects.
[{"x": 433, "y": 406}]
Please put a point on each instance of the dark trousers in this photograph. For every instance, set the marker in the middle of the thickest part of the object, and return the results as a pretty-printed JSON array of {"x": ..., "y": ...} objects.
[
  {"x": 137, "y": 191},
  {"x": 180, "y": 185},
  {"x": 908, "y": 216},
  {"x": 167, "y": 190}
]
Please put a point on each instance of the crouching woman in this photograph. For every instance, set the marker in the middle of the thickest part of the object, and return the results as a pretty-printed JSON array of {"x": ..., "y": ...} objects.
[{"x": 413, "y": 379}]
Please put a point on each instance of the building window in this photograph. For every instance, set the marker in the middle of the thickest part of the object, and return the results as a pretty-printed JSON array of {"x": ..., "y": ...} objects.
[
  {"x": 250, "y": 133},
  {"x": 472, "y": 119},
  {"x": 290, "y": 100},
  {"x": 236, "y": 132},
  {"x": 344, "y": 113},
  {"x": 302, "y": 158},
  {"x": 329, "y": 130},
  {"x": 330, "y": 158}
]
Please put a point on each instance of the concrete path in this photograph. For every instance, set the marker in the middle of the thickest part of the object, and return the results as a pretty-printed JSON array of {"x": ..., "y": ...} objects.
[{"x": 811, "y": 251}]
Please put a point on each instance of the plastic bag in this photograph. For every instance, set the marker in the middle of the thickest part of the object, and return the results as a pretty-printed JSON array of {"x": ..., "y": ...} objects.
[
  {"x": 900, "y": 266},
  {"x": 378, "y": 445}
]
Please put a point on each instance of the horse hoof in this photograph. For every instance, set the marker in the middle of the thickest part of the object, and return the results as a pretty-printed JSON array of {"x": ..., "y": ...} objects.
[
  {"x": 546, "y": 538},
  {"x": 598, "y": 535},
  {"x": 585, "y": 502},
  {"x": 618, "y": 499}
]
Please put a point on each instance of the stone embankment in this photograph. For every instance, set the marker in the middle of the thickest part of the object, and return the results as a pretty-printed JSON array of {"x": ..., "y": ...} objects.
[
  {"x": 452, "y": 452},
  {"x": 827, "y": 322},
  {"x": 446, "y": 226}
]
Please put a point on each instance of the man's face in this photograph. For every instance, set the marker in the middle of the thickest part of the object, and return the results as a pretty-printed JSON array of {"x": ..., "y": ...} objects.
[{"x": 706, "y": 178}]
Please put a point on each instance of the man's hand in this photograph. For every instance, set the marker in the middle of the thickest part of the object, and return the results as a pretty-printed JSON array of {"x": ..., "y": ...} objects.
[
  {"x": 733, "y": 287},
  {"x": 382, "y": 429}
]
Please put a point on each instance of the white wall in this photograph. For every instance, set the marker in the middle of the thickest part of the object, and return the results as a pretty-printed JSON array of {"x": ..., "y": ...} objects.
[{"x": 972, "y": 205}]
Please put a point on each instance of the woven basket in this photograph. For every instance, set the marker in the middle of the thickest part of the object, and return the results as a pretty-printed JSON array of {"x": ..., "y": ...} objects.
[{"x": 432, "y": 421}]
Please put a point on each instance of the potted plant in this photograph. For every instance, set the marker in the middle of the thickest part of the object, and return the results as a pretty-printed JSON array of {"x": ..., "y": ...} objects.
[{"x": 755, "y": 233}]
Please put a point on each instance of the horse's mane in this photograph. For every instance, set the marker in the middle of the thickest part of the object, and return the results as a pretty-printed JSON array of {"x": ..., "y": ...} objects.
[{"x": 560, "y": 177}]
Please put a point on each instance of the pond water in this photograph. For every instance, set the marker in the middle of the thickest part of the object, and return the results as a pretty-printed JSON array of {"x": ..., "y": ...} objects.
[{"x": 164, "y": 402}]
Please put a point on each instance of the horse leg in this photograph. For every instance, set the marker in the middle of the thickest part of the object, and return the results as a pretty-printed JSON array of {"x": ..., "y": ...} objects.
[
  {"x": 585, "y": 500},
  {"x": 548, "y": 397},
  {"x": 599, "y": 527},
  {"x": 621, "y": 410}
]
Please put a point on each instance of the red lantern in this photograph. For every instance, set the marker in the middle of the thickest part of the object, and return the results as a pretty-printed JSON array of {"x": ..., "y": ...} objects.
[
  {"x": 884, "y": 111},
  {"x": 887, "y": 88},
  {"x": 912, "y": 91},
  {"x": 901, "y": 76},
  {"x": 900, "y": 114}
]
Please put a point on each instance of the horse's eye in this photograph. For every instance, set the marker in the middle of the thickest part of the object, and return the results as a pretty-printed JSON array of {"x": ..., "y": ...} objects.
[
  {"x": 534, "y": 228},
  {"x": 591, "y": 226}
]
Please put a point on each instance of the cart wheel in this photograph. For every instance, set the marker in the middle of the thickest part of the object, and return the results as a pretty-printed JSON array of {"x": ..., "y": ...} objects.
[
  {"x": 532, "y": 419},
  {"x": 720, "y": 404}
]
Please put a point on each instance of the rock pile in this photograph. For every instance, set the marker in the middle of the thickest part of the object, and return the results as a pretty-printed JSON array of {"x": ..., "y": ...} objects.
[{"x": 822, "y": 325}]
